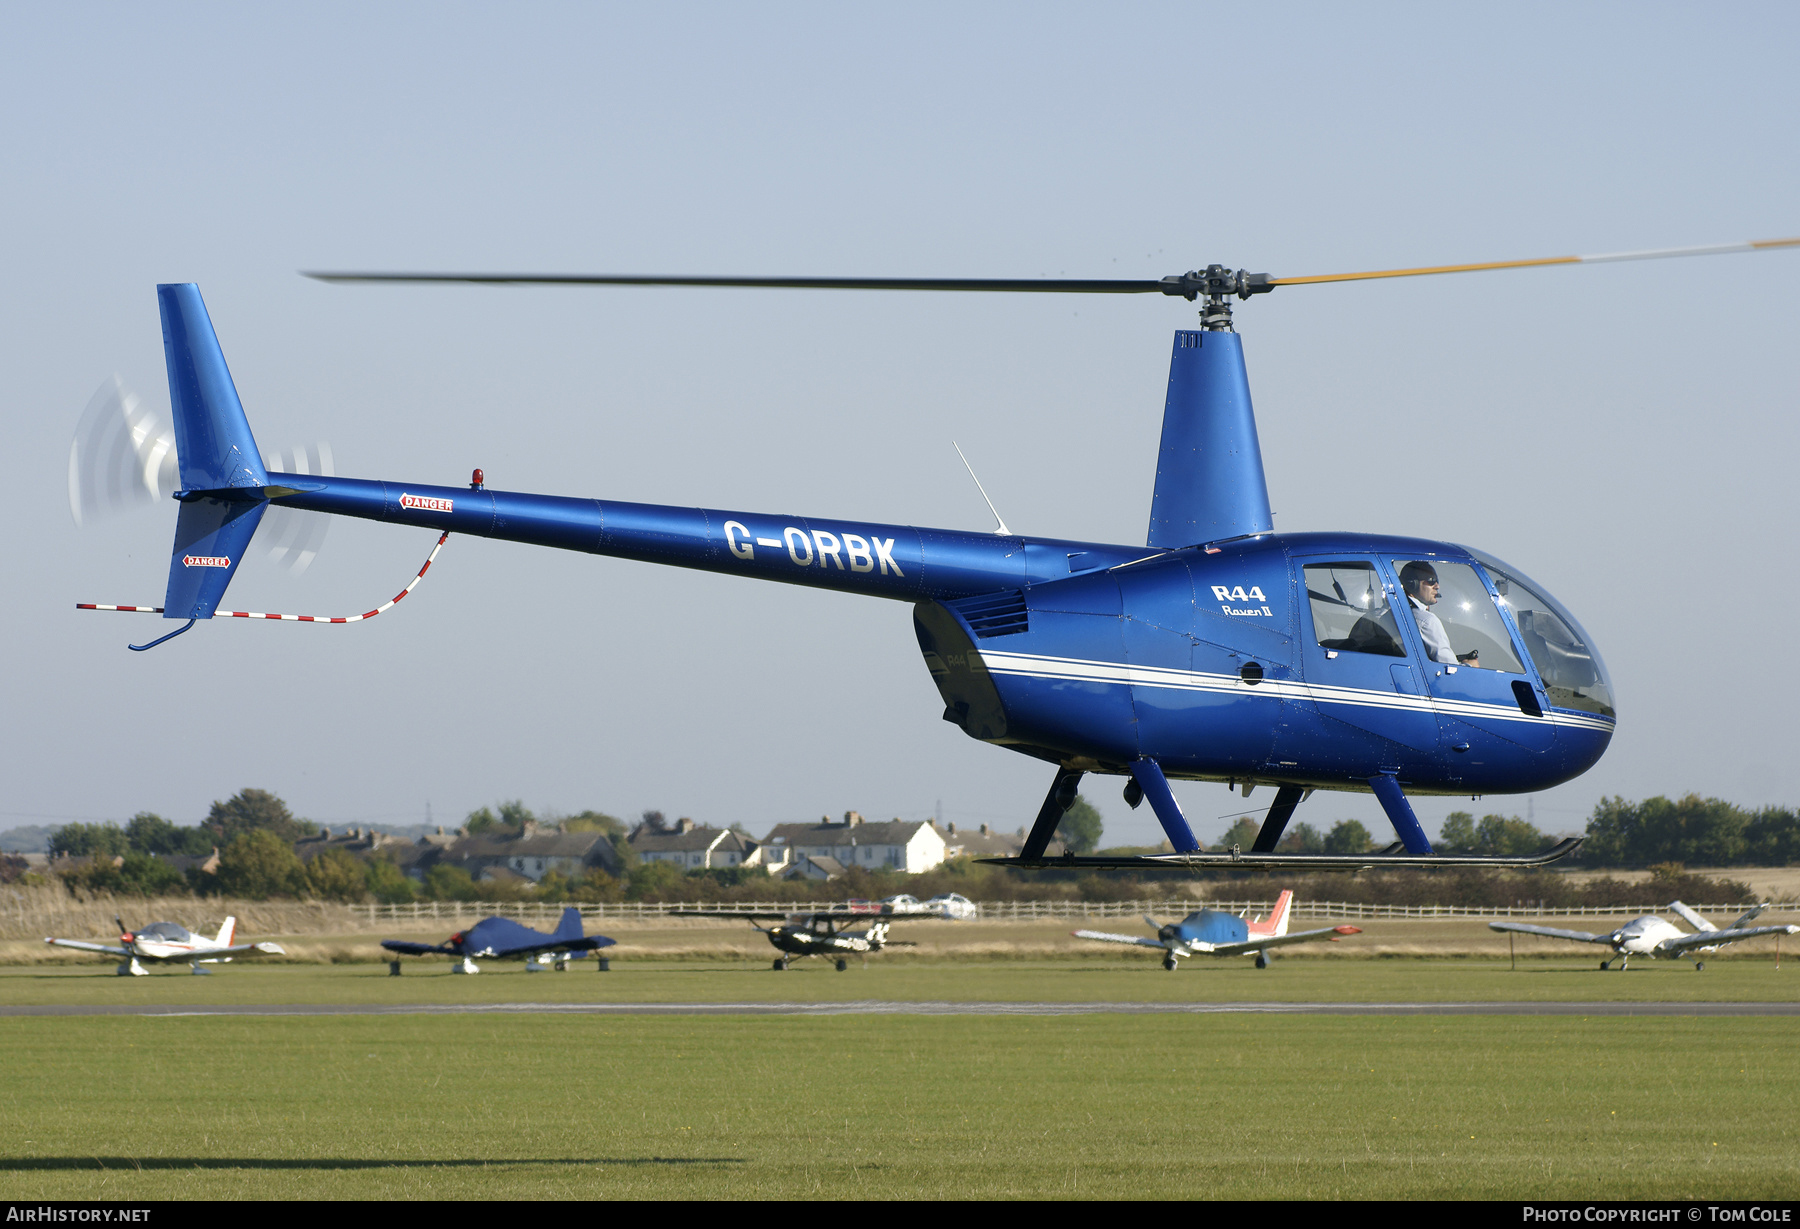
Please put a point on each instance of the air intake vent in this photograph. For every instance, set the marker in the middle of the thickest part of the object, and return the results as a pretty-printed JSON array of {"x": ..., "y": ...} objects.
[{"x": 994, "y": 614}]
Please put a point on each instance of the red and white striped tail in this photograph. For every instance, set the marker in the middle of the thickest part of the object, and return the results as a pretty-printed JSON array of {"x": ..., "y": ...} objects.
[
  {"x": 1277, "y": 921},
  {"x": 288, "y": 618}
]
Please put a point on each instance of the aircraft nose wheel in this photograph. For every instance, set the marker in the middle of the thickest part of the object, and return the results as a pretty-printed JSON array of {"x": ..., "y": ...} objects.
[
  {"x": 842, "y": 965},
  {"x": 1169, "y": 963},
  {"x": 780, "y": 965}
]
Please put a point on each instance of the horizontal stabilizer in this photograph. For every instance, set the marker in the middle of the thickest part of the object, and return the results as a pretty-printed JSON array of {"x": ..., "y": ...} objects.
[{"x": 1291, "y": 861}]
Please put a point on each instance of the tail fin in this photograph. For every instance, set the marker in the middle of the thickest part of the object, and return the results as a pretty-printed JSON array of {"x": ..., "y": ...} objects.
[
  {"x": 226, "y": 931},
  {"x": 1693, "y": 919},
  {"x": 1750, "y": 915},
  {"x": 222, "y": 475},
  {"x": 1278, "y": 918},
  {"x": 570, "y": 926}
]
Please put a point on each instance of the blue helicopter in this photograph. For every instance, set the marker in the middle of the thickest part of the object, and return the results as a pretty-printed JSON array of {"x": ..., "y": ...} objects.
[{"x": 1217, "y": 651}]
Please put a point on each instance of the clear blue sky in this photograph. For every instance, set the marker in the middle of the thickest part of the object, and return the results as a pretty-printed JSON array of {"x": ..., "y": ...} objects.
[{"x": 1623, "y": 433}]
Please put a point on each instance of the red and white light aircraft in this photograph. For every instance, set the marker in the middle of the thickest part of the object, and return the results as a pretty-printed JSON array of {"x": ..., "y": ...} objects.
[{"x": 165, "y": 941}]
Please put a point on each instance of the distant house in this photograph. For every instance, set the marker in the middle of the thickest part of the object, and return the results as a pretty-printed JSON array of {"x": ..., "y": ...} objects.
[
  {"x": 358, "y": 842},
  {"x": 534, "y": 853},
  {"x": 984, "y": 842},
  {"x": 896, "y": 844},
  {"x": 692, "y": 846},
  {"x": 811, "y": 866}
]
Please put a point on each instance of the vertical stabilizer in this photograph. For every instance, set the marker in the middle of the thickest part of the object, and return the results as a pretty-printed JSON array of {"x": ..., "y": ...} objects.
[
  {"x": 570, "y": 925},
  {"x": 1209, "y": 471},
  {"x": 1278, "y": 920},
  {"x": 1693, "y": 919},
  {"x": 226, "y": 931},
  {"x": 212, "y": 436},
  {"x": 221, "y": 470}
]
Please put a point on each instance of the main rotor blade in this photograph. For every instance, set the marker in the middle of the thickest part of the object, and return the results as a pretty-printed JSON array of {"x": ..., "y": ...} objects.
[
  {"x": 1710, "y": 249},
  {"x": 1002, "y": 284}
]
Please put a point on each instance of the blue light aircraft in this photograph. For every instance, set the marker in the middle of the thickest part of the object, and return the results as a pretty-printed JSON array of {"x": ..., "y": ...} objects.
[
  {"x": 503, "y": 938},
  {"x": 1219, "y": 650},
  {"x": 1213, "y": 932}
]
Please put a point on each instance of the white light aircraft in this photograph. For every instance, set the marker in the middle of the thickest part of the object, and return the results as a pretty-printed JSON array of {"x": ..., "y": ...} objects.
[
  {"x": 165, "y": 941},
  {"x": 1660, "y": 940},
  {"x": 1213, "y": 933}
]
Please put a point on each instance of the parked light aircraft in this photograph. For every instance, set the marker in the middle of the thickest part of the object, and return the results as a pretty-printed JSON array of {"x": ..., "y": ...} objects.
[
  {"x": 822, "y": 933},
  {"x": 502, "y": 938},
  {"x": 1653, "y": 937},
  {"x": 1214, "y": 933},
  {"x": 165, "y": 941}
]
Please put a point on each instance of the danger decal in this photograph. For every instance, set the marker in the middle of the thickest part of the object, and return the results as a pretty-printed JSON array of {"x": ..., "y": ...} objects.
[{"x": 427, "y": 503}]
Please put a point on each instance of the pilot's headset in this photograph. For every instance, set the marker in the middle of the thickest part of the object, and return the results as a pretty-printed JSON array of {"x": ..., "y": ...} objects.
[{"x": 1414, "y": 574}]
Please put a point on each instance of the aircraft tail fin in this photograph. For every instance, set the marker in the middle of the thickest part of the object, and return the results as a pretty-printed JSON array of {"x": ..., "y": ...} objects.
[
  {"x": 222, "y": 476},
  {"x": 570, "y": 925},
  {"x": 226, "y": 931},
  {"x": 1688, "y": 915},
  {"x": 1748, "y": 916},
  {"x": 1277, "y": 921}
]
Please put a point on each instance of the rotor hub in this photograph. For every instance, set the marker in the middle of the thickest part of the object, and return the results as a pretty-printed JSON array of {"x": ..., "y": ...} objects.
[{"x": 1217, "y": 285}]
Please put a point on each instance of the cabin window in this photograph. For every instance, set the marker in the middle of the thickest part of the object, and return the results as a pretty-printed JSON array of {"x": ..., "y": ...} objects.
[
  {"x": 1350, "y": 609},
  {"x": 1478, "y": 636}
]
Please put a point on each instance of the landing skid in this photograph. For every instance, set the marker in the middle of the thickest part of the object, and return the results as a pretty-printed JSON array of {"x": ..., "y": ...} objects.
[{"x": 1393, "y": 857}]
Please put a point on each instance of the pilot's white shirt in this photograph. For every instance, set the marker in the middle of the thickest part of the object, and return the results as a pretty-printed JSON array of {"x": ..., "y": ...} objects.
[{"x": 1431, "y": 631}]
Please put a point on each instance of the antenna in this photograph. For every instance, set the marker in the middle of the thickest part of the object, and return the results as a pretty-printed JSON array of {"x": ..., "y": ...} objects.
[{"x": 1003, "y": 531}]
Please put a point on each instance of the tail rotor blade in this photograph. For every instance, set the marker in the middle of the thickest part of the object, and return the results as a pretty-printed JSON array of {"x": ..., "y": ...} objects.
[
  {"x": 293, "y": 537},
  {"x": 122, "y": 456}
]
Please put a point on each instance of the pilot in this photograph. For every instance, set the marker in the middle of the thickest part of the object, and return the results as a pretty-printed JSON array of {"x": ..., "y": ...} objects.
[{"x": 1420, "y": 580}]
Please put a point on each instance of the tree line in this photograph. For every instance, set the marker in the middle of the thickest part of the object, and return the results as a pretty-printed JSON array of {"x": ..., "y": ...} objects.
[{"x": 255, "y": 833}]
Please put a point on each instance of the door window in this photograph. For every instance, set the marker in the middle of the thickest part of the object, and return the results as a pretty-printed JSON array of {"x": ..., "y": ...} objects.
[
  {"x": 1350, "y": 610},
  {"x": 1464, "y": 611}
]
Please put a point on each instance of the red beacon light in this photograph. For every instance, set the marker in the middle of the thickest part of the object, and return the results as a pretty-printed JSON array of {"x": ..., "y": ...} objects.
[{"x": 476, "y": 480}]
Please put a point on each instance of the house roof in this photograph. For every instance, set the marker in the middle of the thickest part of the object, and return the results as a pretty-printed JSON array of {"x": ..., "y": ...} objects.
[
  {"x": 696, "y": 839},
  {"x": 536, "y": 845},
  {"x": 823, "y": 862},
  {"x": 984, "y": 842},
  {"x": 890, "y": 832}
]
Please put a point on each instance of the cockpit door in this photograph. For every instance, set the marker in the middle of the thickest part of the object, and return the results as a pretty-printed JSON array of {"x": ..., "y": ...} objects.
[
  {"x": 1485, "y": 692},
  {"x": 1361, "y": 667}
]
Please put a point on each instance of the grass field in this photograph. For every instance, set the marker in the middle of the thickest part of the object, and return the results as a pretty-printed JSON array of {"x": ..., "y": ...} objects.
[
  {"x": 903, "y": 1106},
  {"x": 1096, "y": 1107}
]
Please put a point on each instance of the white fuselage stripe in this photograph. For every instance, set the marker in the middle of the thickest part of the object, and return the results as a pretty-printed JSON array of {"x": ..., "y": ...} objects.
[{"x": 1066, "y": 669}]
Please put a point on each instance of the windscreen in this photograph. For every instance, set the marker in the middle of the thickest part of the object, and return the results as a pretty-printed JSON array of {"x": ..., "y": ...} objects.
[
  {"x": 167, "y": 931},
  {"x": 1565, "y": 658}
]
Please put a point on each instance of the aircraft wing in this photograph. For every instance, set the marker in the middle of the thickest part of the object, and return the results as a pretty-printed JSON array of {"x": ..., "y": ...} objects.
[
  {"x": 1716, "y": 938},
  {"x": 1134, "y": 940},
  {"x": 1550, "y": 932},
  {"x": 417, "y": 949},
  {"x": 111, "y": 949},
  {"x": 271, "y": 949},
  {"x": 1263, "y": 944}
]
